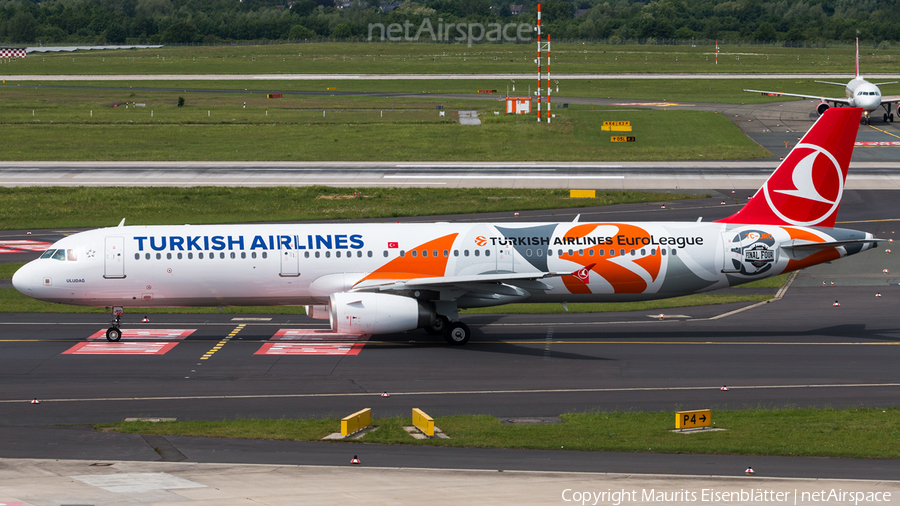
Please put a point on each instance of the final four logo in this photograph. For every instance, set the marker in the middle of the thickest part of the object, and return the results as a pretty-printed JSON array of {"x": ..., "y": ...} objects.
[{"x": 752, "y": 252}]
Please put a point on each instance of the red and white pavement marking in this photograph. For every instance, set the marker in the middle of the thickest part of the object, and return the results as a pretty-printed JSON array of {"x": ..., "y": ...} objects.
[
  {"x": 659, "y": 104},
  {"x": 289, "y": 348},
  {"x": 137, "y": 334},
  {"x": 18, "y": 246},
  {"x": 315, "y": 335},
  {"x": 138, "y": 348},
  {"x": 884, "y": 143}
]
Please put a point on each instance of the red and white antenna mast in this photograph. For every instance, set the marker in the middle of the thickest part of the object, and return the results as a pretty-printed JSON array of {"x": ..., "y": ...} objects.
[
  {"x": 539, "y": 64},
  {"x": 541, "y": 48}
]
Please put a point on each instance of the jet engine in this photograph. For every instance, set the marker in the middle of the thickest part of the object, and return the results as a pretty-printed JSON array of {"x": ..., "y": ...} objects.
[
  {"x": 317, "y": 312},
  {"x": 377, "y": 313},
  {"x": 822, "y": 107}
]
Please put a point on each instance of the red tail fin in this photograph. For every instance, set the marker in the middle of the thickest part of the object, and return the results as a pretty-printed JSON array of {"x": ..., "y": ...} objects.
[{"x": 806, "y": 189}]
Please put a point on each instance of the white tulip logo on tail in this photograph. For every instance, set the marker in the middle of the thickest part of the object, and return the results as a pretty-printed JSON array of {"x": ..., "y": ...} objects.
[{"x": 813, "y": 191}]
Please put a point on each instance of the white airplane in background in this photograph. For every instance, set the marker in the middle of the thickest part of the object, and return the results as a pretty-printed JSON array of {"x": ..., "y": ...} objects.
[
  {"x": 858, "y": 93},
  {"x": 385, "y": 278}
]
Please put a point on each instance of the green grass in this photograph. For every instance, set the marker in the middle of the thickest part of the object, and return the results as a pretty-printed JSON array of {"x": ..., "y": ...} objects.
[
  {"x": 575, "y": 135},
  {"x": 855, "y": 432},
  {"x": 400, "y": 58},
  {"x": 7, "y": 270},
  {"x": 55, "y": 207},
  {"x": 700, "y": 299},
  {"x": 772, "y": 282}
]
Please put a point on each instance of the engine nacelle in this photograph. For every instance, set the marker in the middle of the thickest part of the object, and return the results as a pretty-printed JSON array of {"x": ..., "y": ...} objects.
[
  {"x": 377, "y": 313},
  {"x": 822, "y": 107},
  {"x": 317, "y": 312}
]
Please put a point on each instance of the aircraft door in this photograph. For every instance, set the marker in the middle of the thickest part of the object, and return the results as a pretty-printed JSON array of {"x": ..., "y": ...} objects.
[
  {"x": 290, "y": 262},
  {"x": 114, "y": 260}
]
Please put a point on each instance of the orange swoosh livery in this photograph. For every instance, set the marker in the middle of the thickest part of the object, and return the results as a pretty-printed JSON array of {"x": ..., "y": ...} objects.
[
  {"x": 611, "y": 268},
  {"x": 419, "y": 266}
]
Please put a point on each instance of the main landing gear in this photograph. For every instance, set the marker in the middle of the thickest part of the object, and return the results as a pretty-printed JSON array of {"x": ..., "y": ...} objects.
[
  {"x": 455, "y": 333},
  {"x": 114, "y": 333},
  {"x": 888, "y": 115}
]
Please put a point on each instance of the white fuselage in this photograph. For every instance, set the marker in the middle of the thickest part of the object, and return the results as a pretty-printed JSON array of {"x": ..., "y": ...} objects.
[
  {"x": 301, "y": 264},
  {"x": 862, "y": 93}
]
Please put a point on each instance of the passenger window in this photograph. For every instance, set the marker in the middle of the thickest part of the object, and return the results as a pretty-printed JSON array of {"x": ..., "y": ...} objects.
[
  {"x": 581, "y": 252},
  {"x": 528, "y": 252},
  {"x": 370, "y": 253},
  {"x": 146, "y": 255},
  {"x": 446, "y": 253},
  {"x": 590, "y": 252},
  {"x": 571, "y": 253},
  {"x": 465, "y": 253},
  {"x": 200, "y": 256},
  {"x": 222, "y": 255},
  {"x": 359, "y": 254},
  {"x": 253, "y": 254},
  {"x": 190, "y": 256},
  {"x": 317, "y": 255},
  {"x": 539, "y": 252},
  {"x": 386, "y": 253},
  {"x": 168, "y": 256},
  {"x": 477, "y": 252},
  {"x": 549, "y": 252},
  {"x": 663, "y": 251},
  {"x": 601, "y": 252},
  {"x": 327, "y": 254},
  {"x": 337, "y": 254},
  {"x": 137, "y": 256},
  {"x": 622, "y": 251},
  {"x": 612, "y": 252},
  {"x": 244, "y": 254},
  {"x": 402, "y": 253},
  {"x": 414, "y": 253},
  {"x": 159, "y": 256},
  {"x": 487, "y": 252},
  {"x": 424, "y": 253},
  {"x": 559, "y": 253},
  {"x": 674, "y": 251},
  {"x": 632, "y": 252},
  {"x": 179, "y": 256},
  {"x": 643, "y": 252},
  {"x": 434, "y": 253},
  {"x": 233, "y": 255},
  {"x": 70, "y": 255},
  {"x": 653, "y": 252},
  {"x": 305, "y": 254},
  {"x": 456, "y": 252}
]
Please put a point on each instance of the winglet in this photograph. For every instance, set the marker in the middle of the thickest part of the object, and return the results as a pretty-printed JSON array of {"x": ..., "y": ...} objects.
[
  {"x": 584, "y": 273},
  {"x": 122, "y": 223}
]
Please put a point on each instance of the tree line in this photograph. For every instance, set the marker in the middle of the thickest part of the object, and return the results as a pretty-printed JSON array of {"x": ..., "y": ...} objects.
[{"x": 217, "y": 21}]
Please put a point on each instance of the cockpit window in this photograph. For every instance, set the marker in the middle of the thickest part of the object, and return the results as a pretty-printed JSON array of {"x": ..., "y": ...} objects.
[
  {"x": 49, "y": 253},
  {"x": 59, "y": 254},
  {"x": 70, "y": 255}
]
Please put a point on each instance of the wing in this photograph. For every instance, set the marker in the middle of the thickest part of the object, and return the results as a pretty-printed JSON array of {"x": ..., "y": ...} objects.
[
  {"x": 474, "y": 282},
  {"x": 890, "y": 100},
  {"x": 817, "y": 97}
]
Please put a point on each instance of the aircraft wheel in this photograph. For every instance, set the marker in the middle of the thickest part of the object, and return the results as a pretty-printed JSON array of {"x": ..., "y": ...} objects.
[
  {"x": 113, "y": 334},
  {"x": 439, "y": 326},
  {"x": 457, "y": 333},
  {"x": 885, "y": 118},
  {"x": 891, "y": 117}
]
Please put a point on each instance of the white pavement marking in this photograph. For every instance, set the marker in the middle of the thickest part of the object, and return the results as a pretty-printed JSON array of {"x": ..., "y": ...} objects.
[
  {"x": 457, "y": 392},
  {"x": 137, "y": 483}
]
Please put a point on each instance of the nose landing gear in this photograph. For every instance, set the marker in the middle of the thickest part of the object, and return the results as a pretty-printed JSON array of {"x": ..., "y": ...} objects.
[{"x": 114, "y": 333}]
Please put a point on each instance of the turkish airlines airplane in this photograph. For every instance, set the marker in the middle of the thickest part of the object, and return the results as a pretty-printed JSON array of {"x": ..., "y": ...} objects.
[
  {"x": 858, "y": 93},
  {"x": 386, "y": 278}
]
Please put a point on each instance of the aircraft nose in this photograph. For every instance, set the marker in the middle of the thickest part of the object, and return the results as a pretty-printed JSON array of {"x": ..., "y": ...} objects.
[{"x": 21, "y": 279}]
